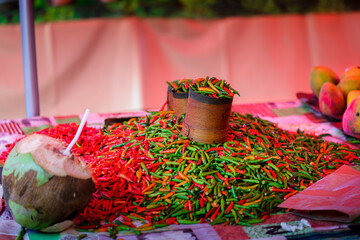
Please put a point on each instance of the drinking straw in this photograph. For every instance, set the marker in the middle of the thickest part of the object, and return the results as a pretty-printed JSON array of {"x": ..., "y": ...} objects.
[{"x": 78, "y": 132}]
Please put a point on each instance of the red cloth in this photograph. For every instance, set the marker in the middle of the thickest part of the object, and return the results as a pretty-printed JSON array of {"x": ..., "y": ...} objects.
[{"x": 334, "y": 198}]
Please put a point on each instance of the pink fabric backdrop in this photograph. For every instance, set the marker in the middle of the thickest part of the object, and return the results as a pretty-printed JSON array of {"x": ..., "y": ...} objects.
[{"x": 113, "y": 65}]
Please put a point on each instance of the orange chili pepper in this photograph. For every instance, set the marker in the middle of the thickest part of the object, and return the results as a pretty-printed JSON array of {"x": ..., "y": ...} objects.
[
  {"x": 164, "y": 180},
  {"x": 180, "y": 184},
  {"x": 186, "y": 170},
  {"x": 168, "y": 195},
  {"x": 318, "y": 158},
  {"x": 207, "y": 89},
  {"x": 290, "y": 194},
  {"x": 169, "y": 151},
  {"x": 183, "y": 176}
]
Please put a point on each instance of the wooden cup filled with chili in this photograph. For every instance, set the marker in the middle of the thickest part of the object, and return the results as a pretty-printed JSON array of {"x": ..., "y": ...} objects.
[
  {"x": 208, "y": 111},
  {"x": 177, "y": 101},
  {"x": 177, "y": 96}
]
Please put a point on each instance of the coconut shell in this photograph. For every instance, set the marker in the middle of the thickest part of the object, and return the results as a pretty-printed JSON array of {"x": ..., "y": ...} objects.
[{"x": 38, "y": 198}]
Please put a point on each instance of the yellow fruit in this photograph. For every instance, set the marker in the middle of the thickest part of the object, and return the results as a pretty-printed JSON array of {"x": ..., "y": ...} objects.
[
  {"x": 351, "y": 71},
  {"x": 351, "y": 96},
  {"x": 351, "y": 119},
  {"x": 348, "y": 84},
  {"x": 320, "y": 75}
]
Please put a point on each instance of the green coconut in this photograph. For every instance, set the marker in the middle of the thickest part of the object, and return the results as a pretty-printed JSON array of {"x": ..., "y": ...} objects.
[{"x": 44, "y": 188}]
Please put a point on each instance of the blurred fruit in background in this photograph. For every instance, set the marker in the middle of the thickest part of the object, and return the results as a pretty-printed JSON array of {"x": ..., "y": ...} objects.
[
  {"x": 351, "y": 71},
  {"x": 319, "y": 75},
  {"x": 351, "y": 96},
  {"x": 351, "y": 119},
  {"x": 339, "y": 99},
  {"x": 331, "y": 100},
  {"x": 348, "y": 84}
]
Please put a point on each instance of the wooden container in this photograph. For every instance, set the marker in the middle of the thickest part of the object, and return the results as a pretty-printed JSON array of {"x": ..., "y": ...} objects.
[
  {"x": 207, "y": 118},
  {"x": 177, "y": 101}
]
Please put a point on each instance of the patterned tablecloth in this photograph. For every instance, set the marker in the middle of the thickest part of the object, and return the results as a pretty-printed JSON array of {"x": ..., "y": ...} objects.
[{"x": 288, "y": 115}]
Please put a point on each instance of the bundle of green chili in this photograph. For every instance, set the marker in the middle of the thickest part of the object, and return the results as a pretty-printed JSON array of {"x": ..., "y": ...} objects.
[
  {"x": 213, "y": 87},
  {"x": 146, "y": 170},
  {"x": 180, "y": 85}
]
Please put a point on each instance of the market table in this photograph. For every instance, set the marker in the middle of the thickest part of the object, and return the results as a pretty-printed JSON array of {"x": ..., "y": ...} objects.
[{"x": 290, "y": 115}]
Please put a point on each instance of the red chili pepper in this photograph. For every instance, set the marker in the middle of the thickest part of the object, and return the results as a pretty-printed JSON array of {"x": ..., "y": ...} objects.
[
  {"x": 215, "y": 149},
  {"x": 240, "y": 171},
  {"x": 221, "y": 154},
  {"x": 163, "y": 124},
  {"x": 135, "y": 192},
  {"x": 273, "y": 174},
  {"x": 155, "y": 165},
  {"x": 189, "y": 205},
  {"x": 173, "y": 137},
  {"x": 185, "y": 146},
  {"x": 155, "y": 139},
  {"x": 171, "y": 220},
  {"x": 221, "y": 177},
  {"x": 140, "y": 127},
  {"x": 226, "y": 90},
  {"x": 186, "y": 85},
  {"x": 163, "y": 106},
  {"x": 199, "y": 161},
  {"x": 273, "y": 189},
  {"x": 125, "y": 177},
  {"x": 174, "y": 85},
  {"x": 212, "y": 218},
  {"x": 209, "y": 213},
  {"x": 201, "y": 202},
  {"x": 228, "y": 209},
  {"x": 141, "y": 209},
  {"x": 209, "y": 177},
  {"x": 154, "y": 118}
]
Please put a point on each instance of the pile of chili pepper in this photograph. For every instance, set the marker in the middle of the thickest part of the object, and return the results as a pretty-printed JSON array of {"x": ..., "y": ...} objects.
[
  {"x": 213, "y": 87},
  {"x": 145, "y": 170},
  {"x": 180, "y": 85}
]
